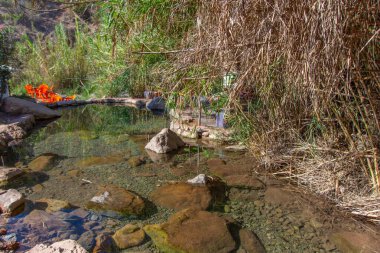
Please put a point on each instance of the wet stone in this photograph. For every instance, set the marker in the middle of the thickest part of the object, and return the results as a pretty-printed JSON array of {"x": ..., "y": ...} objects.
[
  {"x": 129, "y": 236},
  {"x": 182, "y": 195}
]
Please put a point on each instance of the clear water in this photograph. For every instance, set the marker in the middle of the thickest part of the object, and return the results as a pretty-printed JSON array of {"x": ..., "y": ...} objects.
[{"x": 91, "y": 147}]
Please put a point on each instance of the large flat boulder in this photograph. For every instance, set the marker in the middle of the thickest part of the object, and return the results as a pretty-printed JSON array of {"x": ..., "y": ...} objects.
[
  {"x": 10, "y": 200},
  {"x": 182, "y": 195},
  {"x": 192, "y": 230},
  {"x": 117, "y": 199},
  {"x": 165, "y": 141},
  {"x": 14, "y": 105},
  {"x": 66, "y": 246}
]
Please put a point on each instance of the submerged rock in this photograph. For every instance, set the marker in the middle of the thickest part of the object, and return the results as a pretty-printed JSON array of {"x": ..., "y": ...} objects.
[
  {"x": 244, "y": 181},
  {"x": 192, "y": 230},
  {"x": 104, "y": 244},
  {"x": 165, "y": 141},
  {"x": 117, "y": 199},
  {"x": 7, "y": 174},
  {"x": 43, "y": 162},
  {"x": 14, "y": 105},
  {"x": 10, "y": 200},
  {"x": 52, "y": 205},
  {"x": 355, "y": 242},
  {"x": 157, "y": 103},
  {"x": 100, "y": 160},
  {"x": 182, "y": 195},
  {"x": 135, "y": 161},
  {"x": 129, "y": 236},
  {"x": 250, "y": 242},
  {"x": 66, "y": 246}
]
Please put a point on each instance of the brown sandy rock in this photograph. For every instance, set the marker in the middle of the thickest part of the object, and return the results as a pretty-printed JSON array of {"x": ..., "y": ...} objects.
[
  {"x": 129, "y": 236},
  {"x": 117, "y": 199},
  {"x": 192, "y": 230},
  {"x": 52, "y": 205},
  {"x": 100, "y": 160},
  {"x": 182, "y": 195},
  {"x": 355, "y": 242},
  {"x": 250, "y": 242},
  {"x": 245, "y": 181},
  {"x": 275, "y": 195},
  {"x": 43, "y": 162}
]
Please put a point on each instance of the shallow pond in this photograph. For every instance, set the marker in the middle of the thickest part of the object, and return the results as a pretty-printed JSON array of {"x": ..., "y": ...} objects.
[
  {"x": 93, "y": 146},
  {"x": 68, "y": 159}
]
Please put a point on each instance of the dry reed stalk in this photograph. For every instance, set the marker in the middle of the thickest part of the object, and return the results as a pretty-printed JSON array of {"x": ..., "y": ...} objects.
[{"x": 313, "y": 69}]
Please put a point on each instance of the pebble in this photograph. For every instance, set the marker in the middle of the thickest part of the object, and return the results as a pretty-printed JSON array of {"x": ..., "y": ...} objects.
[{"x": 94, "y": 217}]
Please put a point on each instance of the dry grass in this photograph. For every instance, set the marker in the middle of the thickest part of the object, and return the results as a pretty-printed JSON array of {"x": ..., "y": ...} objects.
[{"x": 311, "y": 68}]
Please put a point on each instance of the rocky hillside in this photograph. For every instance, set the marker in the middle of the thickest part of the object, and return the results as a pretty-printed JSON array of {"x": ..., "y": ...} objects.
[{"x": 29, "y": 17}]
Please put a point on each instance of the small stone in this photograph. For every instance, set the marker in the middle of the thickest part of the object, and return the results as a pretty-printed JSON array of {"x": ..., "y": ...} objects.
[
  {"x": 38, "y": 188},
  {"x": 135, "y": 161},
  {"x": 73, "y": 173},
  {"x": 259, "y": 203},
  {"x": 227, "y": 209},
  {"x": 104, "y": 244},
  {"x": 87, "y": 240}
]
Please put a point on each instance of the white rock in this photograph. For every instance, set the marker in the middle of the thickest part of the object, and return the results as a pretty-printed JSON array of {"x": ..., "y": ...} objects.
[
  {"x": 66, "y": 246},
  {"x": 10, "y": 200},
  {"x": 164, "y": 142},
  {"x": 101, "y": 198},
  {"x": 200, "y": 179}
]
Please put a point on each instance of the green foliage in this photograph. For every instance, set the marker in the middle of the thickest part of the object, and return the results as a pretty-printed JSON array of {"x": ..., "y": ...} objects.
[{"x": 104, "y": 62}]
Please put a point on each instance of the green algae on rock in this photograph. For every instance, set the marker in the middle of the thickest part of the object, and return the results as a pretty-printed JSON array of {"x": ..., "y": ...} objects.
[
  {"x": 192, "y": 230},
  {"x": 129, "y": 236}
]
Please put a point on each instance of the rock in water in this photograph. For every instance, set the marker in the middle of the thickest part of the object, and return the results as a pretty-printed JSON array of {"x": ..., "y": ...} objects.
[
  {"x": 43, "y": 162},
  {"x": 200, "y": 179},
  {"x": 104, "y": 244},
  {"x": 14, "y": 105},
  {"x": 10, "y": 200},
  {"x": 66, "y": 246},
  {"x": 192, "y": 230},
  {"x": 182, "y": 195},
  {"x": 157, "y": 103},
  {"x": 129, "y": 236},
  {"x": 250, "y": 242},
  {"x": 165, "y": 141},
  {"x": 7, "y": 174},
  {"x": 117, "y": 199},
  {"x": 52, "y": 205}
]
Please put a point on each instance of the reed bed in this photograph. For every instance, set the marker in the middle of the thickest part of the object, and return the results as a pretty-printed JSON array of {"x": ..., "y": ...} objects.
[{"x": 309, "y": 73}]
